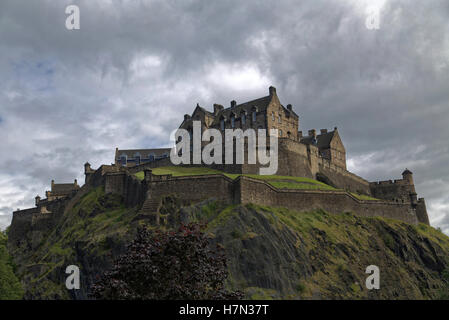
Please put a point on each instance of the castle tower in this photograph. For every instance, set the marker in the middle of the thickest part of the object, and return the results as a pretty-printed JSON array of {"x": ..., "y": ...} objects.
[
  {"x": 87, "y": 172},
  {"x": 407, "y": 176}
]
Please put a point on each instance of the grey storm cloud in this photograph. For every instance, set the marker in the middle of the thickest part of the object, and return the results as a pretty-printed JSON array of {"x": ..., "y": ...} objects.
[{"x": 126, "y": 78}]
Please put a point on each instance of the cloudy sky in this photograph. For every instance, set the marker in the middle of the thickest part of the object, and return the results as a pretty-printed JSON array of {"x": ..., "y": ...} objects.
[{"x": 126, "y": 78}]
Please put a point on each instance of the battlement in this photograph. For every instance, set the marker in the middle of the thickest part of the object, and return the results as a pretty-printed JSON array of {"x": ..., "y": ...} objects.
[{"x": 389, "y": 182}]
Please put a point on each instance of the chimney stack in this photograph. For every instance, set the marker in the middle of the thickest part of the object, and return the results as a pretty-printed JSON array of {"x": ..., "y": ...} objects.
[
  {"x": 300, "y": 134},
  {"x": 38, "y": 199},
  {"x": 323, "y": 131},
  {"x": 289, "y": 107},
  {"x": 186, "y": 117},
  {"x": 217, "y": 108},
  {"x": 272, "y": 90},
  {"x": 312, "y": 133},
  {"x": 233, "y": 103}
]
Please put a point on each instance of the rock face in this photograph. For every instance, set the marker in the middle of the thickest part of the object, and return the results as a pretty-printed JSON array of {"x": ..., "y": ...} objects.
[{"x": 272, "y": 252}]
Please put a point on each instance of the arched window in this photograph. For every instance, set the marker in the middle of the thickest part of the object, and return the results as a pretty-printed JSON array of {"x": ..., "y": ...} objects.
[
  {"x": 233, "y": 121},
  {"x": 254, "y": 115},
  {"x": 222, "y": 124},
  {"x": 279, "y": 119},
  {"x": 272, "y": 116}
]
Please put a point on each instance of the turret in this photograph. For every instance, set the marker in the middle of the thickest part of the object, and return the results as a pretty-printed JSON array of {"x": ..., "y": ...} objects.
[
  {"x": 407, "y": 175},
  {"x": 87, "y": 172},
  {"x": 37, "y": 200}
]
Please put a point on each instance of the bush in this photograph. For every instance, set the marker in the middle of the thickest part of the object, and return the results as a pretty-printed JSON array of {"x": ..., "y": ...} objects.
[{"x": 167, "y": 265}]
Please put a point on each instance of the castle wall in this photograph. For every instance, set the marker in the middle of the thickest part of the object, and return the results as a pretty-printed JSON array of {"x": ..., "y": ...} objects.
[
  {"x": 195, "y": 188},
  {"x": 128, "y": 186},
  {"x": 343, "y": 179},
  {"x": 421, "y": 211},
  {"x": 20, "y": 226},
  {"x": 392, "y": 190},
  {"x": 259, "y": 192}
]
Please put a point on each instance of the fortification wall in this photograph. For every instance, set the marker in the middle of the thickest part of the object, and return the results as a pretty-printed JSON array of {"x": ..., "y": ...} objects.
[
  {"x": 341, "y": 178},
  {"x": 129, "y": 187},
  {"x": 259, "y": 192},
  {"x": 392, "y": 190},
  {"x": 20, "y": 226},
  {"x": 195, "y": 188},
  {"x": 421, "y": 211}
]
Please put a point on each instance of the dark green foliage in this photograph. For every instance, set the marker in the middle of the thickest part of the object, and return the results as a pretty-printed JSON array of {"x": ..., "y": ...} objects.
[
  {"x": 167, "y": 265},
  {"x": 10, "y": 287}
]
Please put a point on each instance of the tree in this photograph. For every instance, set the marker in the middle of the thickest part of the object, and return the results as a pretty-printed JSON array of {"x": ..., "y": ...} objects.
[
  {"x": 10, "y": 287},
  {"x": 177, "y": 264}
]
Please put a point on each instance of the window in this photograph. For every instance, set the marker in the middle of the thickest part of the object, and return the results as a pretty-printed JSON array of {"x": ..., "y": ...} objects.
[
  {"x": 279, "y": 119},
  {"x": 123, "y": 160},
  {"x": 137, "y": 158},
  {"x": 272, "y": 116},
  {"x": 151, "y": 157},
  {"x": 222, "y": 124},
  {"x": 254, "y": 115},
  {"x": 233, "y": 121},
  {"x": 243, "y": 119},
  {"x": 280, "y": 133}
]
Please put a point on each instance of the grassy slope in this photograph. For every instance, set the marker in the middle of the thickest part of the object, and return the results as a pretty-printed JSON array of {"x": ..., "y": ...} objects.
[
  {"x": 10, "y": 287},
  {"x": 272, "y": 252},
  {"x": 321, "y": 255},
  {"x": 281, "y": 182}
]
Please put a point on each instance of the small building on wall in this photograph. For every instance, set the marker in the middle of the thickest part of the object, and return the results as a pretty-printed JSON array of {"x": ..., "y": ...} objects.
[
  {"x": 60, "y": 190},
  {"x": 134, "y": 157}
]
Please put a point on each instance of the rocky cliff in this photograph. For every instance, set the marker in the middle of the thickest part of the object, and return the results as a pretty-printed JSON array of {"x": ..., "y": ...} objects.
[{"x": 273, "y": 253}]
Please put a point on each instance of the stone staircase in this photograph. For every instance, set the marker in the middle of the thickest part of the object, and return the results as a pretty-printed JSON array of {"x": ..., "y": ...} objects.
[{"x": 150, "y": 205}]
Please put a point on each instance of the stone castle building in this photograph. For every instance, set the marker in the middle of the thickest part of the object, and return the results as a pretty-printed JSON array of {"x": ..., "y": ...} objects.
[{"x": 320, "y": 156}]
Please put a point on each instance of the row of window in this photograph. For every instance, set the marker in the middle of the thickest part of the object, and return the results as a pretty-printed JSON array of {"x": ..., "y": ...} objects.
[
  {"x": 123, "y": 160},
  {"x": 242, "y": 120}
]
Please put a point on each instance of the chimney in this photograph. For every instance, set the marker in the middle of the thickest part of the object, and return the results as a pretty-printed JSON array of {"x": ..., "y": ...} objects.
[
  {"x": 217, "y": 108},
  {"x": 76, "y": 182},
  {"x": 300, "y": 134},
  {"x": 52, "y": 183},
  {"x": 38, "y": 199},
  {"x": 186, "y": 117},
  {"x": 272, "y": 90},
  {"x": 289, "y": 107},
  {"x": 312, "y": 133},
  {"x": 233, "y": 103},
  {"x": 323, "y": 131}
]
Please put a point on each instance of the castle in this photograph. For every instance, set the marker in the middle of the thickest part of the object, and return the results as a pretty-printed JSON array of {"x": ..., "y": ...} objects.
[{"x": 318, "y": 156}]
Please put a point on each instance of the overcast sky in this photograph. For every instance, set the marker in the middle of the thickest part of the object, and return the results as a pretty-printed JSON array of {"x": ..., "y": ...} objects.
[{"x": 131, "y": 72}]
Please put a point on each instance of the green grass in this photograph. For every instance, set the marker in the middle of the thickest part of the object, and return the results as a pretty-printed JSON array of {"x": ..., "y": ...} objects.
[
  {"x": 281, "y": 182},
  {"x": 363, "y": 197}
]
